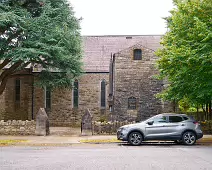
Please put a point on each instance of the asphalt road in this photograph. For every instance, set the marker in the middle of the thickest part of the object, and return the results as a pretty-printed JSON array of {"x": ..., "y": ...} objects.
[{"x": 107, "y": 157}]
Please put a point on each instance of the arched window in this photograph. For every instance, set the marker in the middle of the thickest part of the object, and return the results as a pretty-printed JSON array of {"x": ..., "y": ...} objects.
[
  {"x": 131, "y": 103},
  {"x": 76, "y": 94},
  {"x": 103, "y": 93},
  {"x": 137, "y": 54},
  {"x": 17, "y": 90},
  {"x": 47, "y": 98}
]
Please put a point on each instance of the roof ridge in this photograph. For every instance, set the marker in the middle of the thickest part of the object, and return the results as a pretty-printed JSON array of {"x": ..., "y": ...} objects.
[{"x": 121, "y": 35}]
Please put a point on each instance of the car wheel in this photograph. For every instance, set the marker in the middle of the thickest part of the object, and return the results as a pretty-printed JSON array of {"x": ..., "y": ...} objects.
[
  {"x": 189, "y": 138},
  {"x": 135, "y": 138}
]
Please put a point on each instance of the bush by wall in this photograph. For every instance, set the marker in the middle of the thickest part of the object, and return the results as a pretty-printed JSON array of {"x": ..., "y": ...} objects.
[{"x": 206, "y": 126}]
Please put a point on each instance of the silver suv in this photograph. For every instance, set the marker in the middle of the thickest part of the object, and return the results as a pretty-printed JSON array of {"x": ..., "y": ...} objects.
[{"x": 168, "y": 126}]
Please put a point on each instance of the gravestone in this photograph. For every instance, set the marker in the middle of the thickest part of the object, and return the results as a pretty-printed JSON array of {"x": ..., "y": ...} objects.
[
  {"x": 42, "y": 123},
  {"x": 86, "y": 125}
]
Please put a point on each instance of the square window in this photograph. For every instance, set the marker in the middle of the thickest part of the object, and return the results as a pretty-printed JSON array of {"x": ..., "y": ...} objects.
[
  {"x": 137, "y": 54},
  {"x": 132, "y": 103}
]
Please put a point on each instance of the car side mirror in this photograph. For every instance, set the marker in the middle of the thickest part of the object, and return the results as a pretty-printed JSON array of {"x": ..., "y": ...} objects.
[{"x": 150, "y": 122}]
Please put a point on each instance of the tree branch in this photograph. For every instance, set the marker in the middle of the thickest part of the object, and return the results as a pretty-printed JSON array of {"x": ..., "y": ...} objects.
[
  {"x": 9, "y": 39},
  {"x": 8, "y": 73},
  {"x": 15, "y": 35},
  {"x": 10, "y": 70},
  {"x": 22, "y": 67},
  {"x": 5, "y": 62}
]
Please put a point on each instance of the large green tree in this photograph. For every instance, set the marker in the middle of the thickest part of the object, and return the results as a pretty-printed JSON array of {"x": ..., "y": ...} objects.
[
  {"x": 186, "y": 56},
  {"x": 43, "y": 33}
]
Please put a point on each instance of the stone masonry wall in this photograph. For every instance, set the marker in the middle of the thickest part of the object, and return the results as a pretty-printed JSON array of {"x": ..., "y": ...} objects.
[
  {"x": 90, "y": 97},
  {"x": 17, "y": 127},
  {"x": 18, "y": 110},
  {"x": 107, "y": 127},
  {"x": 62, "y": 112},
  {"x": 134, "y": 78},
  {"x": 2, "y": 106}
]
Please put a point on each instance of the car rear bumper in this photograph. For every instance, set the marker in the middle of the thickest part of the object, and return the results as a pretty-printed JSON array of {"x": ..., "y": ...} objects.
[{"x": 199, "y": 135}]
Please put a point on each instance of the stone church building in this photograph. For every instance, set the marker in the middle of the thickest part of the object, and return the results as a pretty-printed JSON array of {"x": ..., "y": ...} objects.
[{"x": 118, "y": 84}]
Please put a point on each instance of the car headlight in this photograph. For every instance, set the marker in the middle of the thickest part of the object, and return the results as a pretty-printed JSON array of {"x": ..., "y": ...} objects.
[{"x": 121, "y": 129}]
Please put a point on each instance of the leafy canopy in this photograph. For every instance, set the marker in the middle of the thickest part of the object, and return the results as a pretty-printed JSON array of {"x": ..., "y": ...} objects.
[
  {"x": 44, "y": 33},
  {"x": 186, "y": 57}
]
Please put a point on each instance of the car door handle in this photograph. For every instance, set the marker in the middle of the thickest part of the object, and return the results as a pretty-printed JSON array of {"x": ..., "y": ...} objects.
[{"x": 182, "y": 124}]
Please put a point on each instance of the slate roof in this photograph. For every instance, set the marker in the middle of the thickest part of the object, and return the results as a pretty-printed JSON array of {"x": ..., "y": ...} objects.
[{"x": 98, "y": 49}]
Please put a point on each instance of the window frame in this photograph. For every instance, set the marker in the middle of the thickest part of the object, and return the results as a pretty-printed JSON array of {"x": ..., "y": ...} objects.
[
  {"x": 101, "y": 92},
  {"x": 135, "y": 103},
  {"x": 137, "y": 56},
  {"x": 175, "y": 116},
  {"x": 75, "y": 94},
  {"x": 48, "y": 104},
  {"x": 185, "y": 118},
  {"x": 18, "y": 95},
  {"x": 156, "y": 117}
]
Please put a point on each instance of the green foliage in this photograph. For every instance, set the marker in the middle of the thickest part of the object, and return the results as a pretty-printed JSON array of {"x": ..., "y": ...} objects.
[
  {"x": 206, "y": 126},
  {"x": 42, "y": 32},
  {"x": 184, "y": 104},
  {"x": 187, "y": 106},
  {"x": 186, "y": 57}
]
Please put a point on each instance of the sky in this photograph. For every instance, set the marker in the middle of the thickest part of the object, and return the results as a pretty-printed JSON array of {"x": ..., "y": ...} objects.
[{"x": 122, "y": 17}]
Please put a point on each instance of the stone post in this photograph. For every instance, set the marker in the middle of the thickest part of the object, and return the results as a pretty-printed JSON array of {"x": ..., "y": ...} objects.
[
  {"x": 42, "y": 123},
  {"x": 86, "y": 125}
]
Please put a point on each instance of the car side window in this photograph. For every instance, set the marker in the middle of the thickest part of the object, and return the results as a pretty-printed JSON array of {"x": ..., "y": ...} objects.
[
  {"x": 175, "y": 119},
  {"x": 185, "y": 118},
  {"x": 159, "y": 119}
]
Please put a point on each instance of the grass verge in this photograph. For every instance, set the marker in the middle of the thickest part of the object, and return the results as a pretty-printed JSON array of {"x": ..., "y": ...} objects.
[
  {"x": 10, "y": 142},
  {"x": 205, "y": 140}
]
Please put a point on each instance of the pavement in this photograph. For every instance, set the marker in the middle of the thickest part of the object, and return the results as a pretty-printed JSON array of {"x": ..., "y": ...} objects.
[
  {"x": 63, "y": 136},
  {"x": 59, "y": 140},
  {"x": 69, "y": 140}
]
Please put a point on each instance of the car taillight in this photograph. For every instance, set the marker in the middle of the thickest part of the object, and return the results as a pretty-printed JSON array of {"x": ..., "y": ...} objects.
[{"x": 196, "y": 123}]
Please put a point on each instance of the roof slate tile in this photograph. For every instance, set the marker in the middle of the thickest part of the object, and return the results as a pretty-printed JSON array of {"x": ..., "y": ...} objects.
[{"x": 98, "y": 49}]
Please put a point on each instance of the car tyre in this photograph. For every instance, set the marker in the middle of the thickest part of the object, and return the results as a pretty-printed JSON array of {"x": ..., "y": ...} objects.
[
  {"x": 189, "y": 138},
  {"x": 135, "y": 138}
]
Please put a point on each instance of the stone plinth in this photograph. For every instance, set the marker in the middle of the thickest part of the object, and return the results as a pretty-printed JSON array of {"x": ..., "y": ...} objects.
[
  {"x": 42, "y": 123},
  {"x": 86, "y": 126}
]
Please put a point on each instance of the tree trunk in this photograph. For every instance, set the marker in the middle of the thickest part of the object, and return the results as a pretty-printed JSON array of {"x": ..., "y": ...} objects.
[
  {"x": 206, "y": 111},
  {"x": 198, "y": 112},
  {"x": 210, "y": 110},
  {"x": 4, "y": 63}
]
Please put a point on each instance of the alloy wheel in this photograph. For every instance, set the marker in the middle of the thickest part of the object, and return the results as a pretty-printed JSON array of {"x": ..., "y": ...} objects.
[
  {"x": 135, "y": 138},
  {"x": 189, "y": 138}
]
